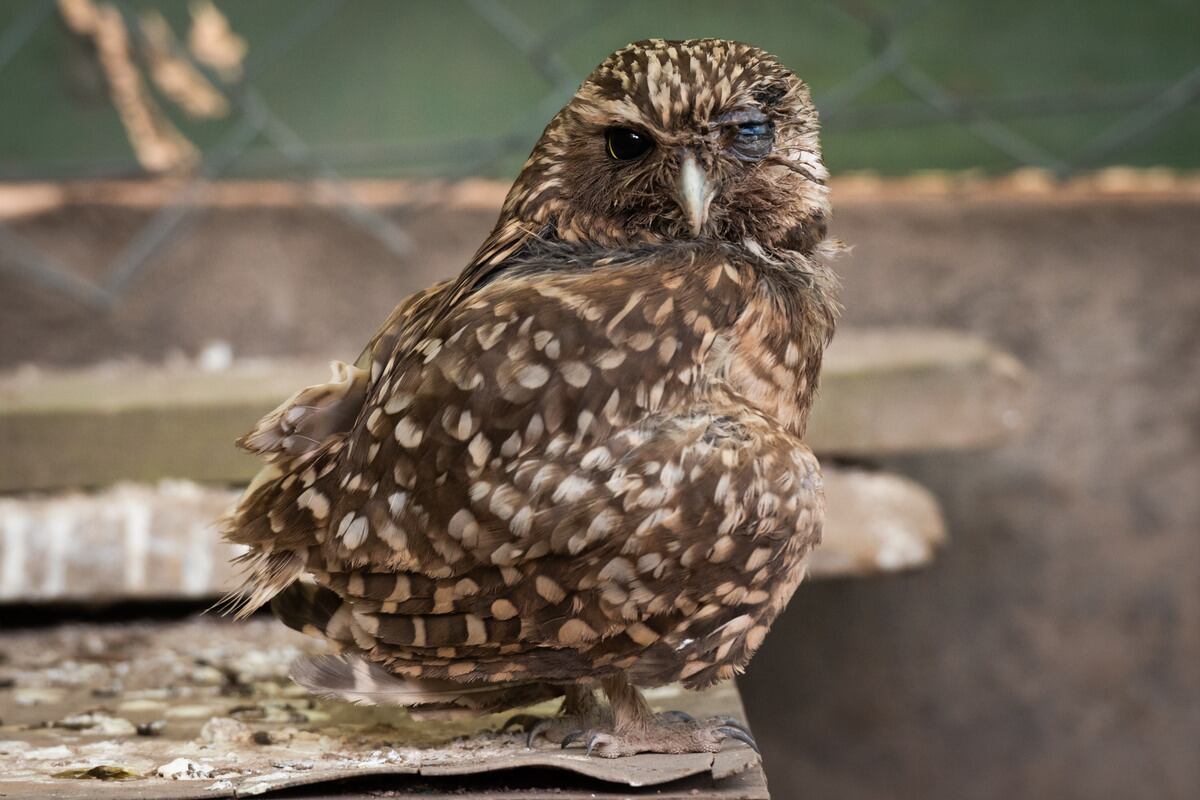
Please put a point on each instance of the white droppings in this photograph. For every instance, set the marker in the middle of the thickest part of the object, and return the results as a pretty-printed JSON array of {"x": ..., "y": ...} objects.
[{"x": 184, "y": 769}]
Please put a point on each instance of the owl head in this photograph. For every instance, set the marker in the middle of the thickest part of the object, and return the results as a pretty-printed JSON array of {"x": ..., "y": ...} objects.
[{"x": 670, "y": 140}]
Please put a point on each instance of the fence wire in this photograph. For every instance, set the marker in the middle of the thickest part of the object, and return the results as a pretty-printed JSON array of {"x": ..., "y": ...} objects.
[{"x": 1144, "y": 111}]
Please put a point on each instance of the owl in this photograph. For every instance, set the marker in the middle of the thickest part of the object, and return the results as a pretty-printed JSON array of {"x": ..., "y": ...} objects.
[{"x": 580, "y": 465}]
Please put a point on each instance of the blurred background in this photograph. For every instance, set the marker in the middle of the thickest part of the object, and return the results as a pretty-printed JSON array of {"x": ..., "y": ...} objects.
[{"x": 194, "y": 189}]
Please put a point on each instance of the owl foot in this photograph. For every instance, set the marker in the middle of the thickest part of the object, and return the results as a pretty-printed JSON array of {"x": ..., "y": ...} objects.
[
  {"x": 669, "y": 732},
  {"x": 552, "y": 729},
  {"x": 580, "y": 711}
]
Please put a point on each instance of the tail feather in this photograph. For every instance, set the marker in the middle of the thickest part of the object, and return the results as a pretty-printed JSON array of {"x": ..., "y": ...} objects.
[
  {"x": 307, "y": 608},
  {"x": 354, "y": 679},
  {"x": 276, "y": 522},
  {"x": 275, "y": 517},
  {"x": 264, "y": 576},
  {"x": 321, "y": 612}
]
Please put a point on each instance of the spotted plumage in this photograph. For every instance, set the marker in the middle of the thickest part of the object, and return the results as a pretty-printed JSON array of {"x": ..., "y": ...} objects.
[{"x": 580, "y": 462}]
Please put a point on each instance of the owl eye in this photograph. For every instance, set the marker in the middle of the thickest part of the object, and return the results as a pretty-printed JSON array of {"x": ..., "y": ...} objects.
[
  {"x": 753, "y": 139},
  {"x": 625, "y": 143},
  {"x": 753, "y": 130}
]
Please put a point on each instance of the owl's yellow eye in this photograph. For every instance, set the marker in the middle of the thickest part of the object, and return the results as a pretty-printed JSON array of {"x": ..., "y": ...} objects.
[{"x": 625, "y": 144}]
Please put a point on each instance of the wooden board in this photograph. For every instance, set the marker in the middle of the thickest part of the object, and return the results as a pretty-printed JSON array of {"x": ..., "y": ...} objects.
[
  {"x": 144, "y": 542},
  {"x": 883, "y": 391}
]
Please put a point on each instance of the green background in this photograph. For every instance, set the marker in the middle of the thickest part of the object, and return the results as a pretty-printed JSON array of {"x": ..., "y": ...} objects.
[{"x": 423, "y": 88}]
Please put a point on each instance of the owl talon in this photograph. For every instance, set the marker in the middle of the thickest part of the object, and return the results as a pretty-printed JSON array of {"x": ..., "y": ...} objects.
[
  {"x": 525, "y": 722},
  {"x": 571, "y": 738},
  {"x": 532, "y": 724},
  {"x": 669, "y": 732},
  {"x": 598, "y": 738},
  {"x": 535, "y": 730},
  {"x": 732, "y": 722},
  {"x": 741, "y": 734}
]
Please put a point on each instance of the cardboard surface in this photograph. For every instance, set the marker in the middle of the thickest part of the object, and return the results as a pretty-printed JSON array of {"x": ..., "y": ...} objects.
[{"x": 203, "y": 709}]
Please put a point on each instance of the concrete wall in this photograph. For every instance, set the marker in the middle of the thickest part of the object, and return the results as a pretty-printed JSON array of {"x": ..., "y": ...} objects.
[{"x": 1054, "y": 650}]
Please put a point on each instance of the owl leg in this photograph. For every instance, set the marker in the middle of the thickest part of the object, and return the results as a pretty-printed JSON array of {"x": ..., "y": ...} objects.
[
  {"x": 580, "y": 709},
  {"x": 635, "y": 728}
]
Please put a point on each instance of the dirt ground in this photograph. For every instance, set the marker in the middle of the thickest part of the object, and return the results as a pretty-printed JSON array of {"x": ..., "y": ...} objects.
[{"x": 1053, "y": 649}]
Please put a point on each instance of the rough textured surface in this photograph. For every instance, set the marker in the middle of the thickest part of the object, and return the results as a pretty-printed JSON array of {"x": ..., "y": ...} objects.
[
  {"x": 884, "y": 391},
  {"x": 205, "y": 709},
  {"x": 137, "y": 541}
]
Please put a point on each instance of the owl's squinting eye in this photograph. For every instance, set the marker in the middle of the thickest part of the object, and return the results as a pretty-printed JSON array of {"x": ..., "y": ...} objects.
[
  {"x": 625, "y": 144},
  {"x": 753, "y": 139}
]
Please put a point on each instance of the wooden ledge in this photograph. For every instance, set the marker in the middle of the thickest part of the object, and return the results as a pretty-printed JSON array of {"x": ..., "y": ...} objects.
[
  {"x": 141, "y": 542},
  {"x": 883, "y": 391}
]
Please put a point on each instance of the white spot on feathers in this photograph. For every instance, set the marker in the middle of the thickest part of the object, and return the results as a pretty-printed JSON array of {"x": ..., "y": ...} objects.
[
  {"x": 407, "y": 434},
  {"x": 572, "y": 489},
  {"x": 397, "y": 502},
  {"x": 479, "y": 449},
  {"x": 549, "y": 589},
  {"x": 533, "y": 376},
  {"x": 574, "y": 631},
  {"x": 353, "y": 530},
  {"x": 576, "y": 373},
  {"x": 315, "y": 502}
]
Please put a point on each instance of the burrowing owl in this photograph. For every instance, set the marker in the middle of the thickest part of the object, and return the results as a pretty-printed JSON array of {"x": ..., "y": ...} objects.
[{"x": 580, "y": 463}]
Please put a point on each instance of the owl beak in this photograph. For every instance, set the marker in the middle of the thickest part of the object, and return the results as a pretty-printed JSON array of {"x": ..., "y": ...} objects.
[{"x": 693, "y": 192}]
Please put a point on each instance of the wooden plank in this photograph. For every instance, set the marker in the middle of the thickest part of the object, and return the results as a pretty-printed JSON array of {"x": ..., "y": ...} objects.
[
  {"x": 876, "y": 523},
  {"x": 883, "y": 392},
  {"x": 1031, "y": 185},
  {"x": 889, "y": 391},
  {"x": 143, "y": 542},
  {"x": 98, "y": 426}
]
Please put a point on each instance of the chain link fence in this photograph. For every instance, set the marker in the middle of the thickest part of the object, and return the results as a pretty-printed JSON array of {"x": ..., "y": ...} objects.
[{"x": 890, "y": 78}]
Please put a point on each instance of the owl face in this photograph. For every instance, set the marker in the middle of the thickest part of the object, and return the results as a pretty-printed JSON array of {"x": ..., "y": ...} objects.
[{"x": 698, "y": 139}]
